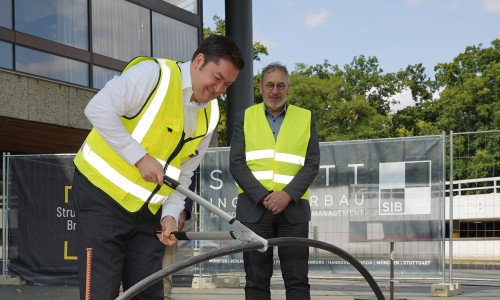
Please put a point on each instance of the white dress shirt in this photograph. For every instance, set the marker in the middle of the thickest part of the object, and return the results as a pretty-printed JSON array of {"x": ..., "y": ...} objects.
[{"x": 125, "y": 95}]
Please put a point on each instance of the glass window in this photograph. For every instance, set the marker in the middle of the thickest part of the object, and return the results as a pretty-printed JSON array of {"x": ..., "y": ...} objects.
[
  {"x": 62, "y": 21},
  {"x": 6, "y": 55},
  {"x": 120, "y": 29},
  {"x": 173, "y": 39},
  {"x": 101, "y": 76},
  {"x": 51, "y": 66},
  {"x": 189, "y": 5},
  {"x": 6, "y": 13}
]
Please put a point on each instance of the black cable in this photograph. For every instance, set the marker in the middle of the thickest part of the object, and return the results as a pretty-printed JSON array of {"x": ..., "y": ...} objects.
[{"x": 289, "y": 241}]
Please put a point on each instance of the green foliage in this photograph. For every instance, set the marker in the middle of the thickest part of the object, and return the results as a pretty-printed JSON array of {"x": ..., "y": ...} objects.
[
  {"x": 340, "y": 113},
  {"x": 366, "y": 78},
  {"x": 348, "y": 104},
  {"x": 415, "y": 120},
  {"x": 470, "y": 100},
  {"x": 476, "y": 155},
  {"x": 220, "y": 27}
]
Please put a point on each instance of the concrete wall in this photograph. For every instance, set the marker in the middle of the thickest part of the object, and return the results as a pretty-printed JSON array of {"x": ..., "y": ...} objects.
[
  {"x": 474, "y": 250},
  {"x": 482, "y": 206},
  {"x": 35, "y": 99}
]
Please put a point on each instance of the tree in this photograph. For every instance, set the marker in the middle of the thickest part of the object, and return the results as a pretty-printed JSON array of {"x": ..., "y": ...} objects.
[
  {"x": 339, "y": 100},
  {"x": 470, "y": 100},
  {"x": 414, "y": 121},
  {"x": 419, "y": 119},
  {"x": 366, "y": 78},
  {"x": 420, "y": 85}
]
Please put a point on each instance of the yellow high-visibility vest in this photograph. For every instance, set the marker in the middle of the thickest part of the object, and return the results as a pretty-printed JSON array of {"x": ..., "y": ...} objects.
[
  {"x": 275, "y": 163},
  {"x": 159, "y": 129}
]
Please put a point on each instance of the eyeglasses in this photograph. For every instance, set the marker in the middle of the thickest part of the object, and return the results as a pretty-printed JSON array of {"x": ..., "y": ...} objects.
[{"x": 280, "y": 86}]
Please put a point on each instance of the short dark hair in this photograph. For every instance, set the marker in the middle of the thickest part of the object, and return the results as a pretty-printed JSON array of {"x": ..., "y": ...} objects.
[
  {"x": 272, "y": 67},
  {"x": 216, "y": 47}
]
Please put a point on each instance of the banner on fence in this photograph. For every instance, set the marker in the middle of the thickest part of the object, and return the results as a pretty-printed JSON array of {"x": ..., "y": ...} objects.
[
  {"x": 366, "y": 195},
  {"x": 42, "y": 244},
  {"x": 42, "y": 222}
]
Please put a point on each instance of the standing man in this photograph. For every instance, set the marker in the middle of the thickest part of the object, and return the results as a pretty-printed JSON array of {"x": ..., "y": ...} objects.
[
  {"x": 274, "y": 159},
  {"x": 156, "y": 118}
]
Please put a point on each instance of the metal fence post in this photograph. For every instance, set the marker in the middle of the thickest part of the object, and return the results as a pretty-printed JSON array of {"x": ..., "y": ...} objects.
[
  {"x": 5, "y": 214},
  {"x": 450, "y": 222},
  {"x": 443, "y": 213}
]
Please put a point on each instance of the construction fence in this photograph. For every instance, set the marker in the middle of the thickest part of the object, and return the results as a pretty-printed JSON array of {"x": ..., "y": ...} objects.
[{"x": 367, "y": 195}]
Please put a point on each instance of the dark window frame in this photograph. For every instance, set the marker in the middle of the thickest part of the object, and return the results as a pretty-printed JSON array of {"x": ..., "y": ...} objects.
[{"x": 474, "y": 229}]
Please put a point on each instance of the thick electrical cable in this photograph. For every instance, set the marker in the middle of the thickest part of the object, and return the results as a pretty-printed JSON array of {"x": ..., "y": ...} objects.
[{"x": 289, "y": 241}]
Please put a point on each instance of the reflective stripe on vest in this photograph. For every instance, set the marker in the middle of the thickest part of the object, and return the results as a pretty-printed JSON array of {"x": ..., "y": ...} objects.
[
  {"x": 214, "y": 116},
  {"x": 148, "y": 117},
  {"x": 266, "y": 158},
  {"x": 116, "y": 178},
  {"x": 204, "y": 127},
  {"x": 269, "y": 153},
  {"x": 262, "y": 175}
]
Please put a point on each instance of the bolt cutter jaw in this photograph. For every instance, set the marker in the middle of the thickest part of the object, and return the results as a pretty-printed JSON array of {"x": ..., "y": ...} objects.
[{"x": 245, "y": 235}]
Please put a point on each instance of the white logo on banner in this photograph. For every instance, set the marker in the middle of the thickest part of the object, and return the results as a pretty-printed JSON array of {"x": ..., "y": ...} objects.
[{"x": 405, "y": 188}]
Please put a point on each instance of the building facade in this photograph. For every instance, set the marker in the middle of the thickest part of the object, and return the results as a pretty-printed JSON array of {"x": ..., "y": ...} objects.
[{"x": 56, "y": 54}]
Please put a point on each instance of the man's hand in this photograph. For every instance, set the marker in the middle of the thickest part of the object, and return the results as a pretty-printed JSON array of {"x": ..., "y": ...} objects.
[
  {"x": 150, "y": 169},
  {"x": 182, "y": 220},
  {"x": 168, "y": 224},
  {"x": 276, "y": 202}
]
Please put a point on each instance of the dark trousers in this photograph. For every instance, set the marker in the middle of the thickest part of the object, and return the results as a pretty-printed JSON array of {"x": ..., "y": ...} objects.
[
  {"x": 125, "y": 249},
  {"x": 293, "y": 260}
]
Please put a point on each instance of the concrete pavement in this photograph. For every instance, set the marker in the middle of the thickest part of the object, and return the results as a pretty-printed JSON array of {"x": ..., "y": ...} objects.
[{"x": 332, "y": 288}]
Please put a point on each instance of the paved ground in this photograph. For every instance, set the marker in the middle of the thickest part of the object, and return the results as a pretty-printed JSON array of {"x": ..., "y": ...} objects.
[{"x": 335, "y": 289}]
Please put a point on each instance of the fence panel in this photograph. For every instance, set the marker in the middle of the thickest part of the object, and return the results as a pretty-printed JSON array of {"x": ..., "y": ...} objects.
[
  {"x": 359, "y": 202},
  {"x": 366, "y": 195},
  {"x": 40, "y": 222},
  {"x": 475, "y": 161}
]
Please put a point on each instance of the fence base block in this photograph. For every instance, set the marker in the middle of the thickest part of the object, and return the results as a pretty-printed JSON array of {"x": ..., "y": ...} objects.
[
  {"x": 446, "y": 289},
  {"x": 9, "y": 280},
  {"x": 215, "y": 282}
]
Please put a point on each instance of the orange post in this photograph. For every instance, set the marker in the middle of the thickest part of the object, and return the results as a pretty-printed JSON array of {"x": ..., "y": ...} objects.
[{"x": 89, "y": 271}]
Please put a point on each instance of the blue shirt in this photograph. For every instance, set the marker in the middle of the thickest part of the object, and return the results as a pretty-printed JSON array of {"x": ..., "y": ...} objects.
[{"x": 276, "y": 121}]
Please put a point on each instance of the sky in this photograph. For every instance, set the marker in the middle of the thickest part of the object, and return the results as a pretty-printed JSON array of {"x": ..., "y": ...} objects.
[{"x": 397, "y": 32}]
